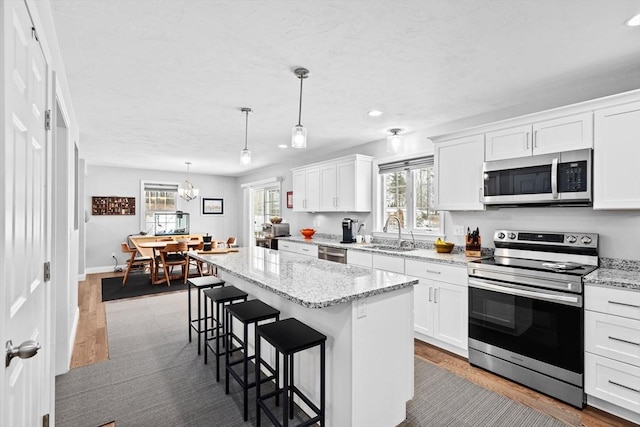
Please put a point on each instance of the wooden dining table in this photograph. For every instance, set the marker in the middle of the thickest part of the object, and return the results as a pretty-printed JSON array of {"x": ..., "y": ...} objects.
[{"x": 155, "y": 247}]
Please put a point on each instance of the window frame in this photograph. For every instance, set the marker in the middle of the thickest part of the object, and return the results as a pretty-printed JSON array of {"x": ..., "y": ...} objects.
[
  {"x": 379, "y": 213},
  {"x": 143, "y": 202}
]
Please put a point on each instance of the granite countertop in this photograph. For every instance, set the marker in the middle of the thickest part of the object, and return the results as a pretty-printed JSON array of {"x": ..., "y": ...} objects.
[
  {"x": 307, "y": 281},
  {"x": 455, "y": 258},
  {"x": 625, "y": 276}
]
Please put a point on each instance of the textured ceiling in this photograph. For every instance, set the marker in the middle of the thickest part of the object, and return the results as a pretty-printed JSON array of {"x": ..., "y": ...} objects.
[{"x": 155, "y": 83}]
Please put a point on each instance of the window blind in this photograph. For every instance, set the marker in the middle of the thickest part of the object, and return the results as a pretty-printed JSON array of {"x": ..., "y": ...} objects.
[
  {"x": 154, "y": 186},
  {"x": 403, "y": 165}
]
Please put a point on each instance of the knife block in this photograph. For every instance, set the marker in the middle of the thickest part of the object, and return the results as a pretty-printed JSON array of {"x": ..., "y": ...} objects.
[{"x": 472, "y": 249}]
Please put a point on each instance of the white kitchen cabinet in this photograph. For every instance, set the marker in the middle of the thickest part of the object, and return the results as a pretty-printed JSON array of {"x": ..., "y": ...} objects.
[
  {"x": 308, "y": 249},
  {"x": 306, "y": 190},
  {"x": 458, "y": 168},
  {"x": 616, "y": 175},
  {"x": 360, "y": 258},
  {"x": 612, "y": 350},
  {"x": 440, "y": 305},
  {"x": 568, "y": 133},
  {"x": 339, "y": 185},
  {"x": 394, "y": 264}
]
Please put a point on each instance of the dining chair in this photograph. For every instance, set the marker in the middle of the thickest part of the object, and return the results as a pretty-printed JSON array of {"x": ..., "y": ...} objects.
[
  {"x": 134, "y": 261},
  {"x": 196, "y": 262},
  {"x": 172, "y": 255}
]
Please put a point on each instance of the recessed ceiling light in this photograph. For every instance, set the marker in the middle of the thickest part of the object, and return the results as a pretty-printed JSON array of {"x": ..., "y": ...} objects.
[
  {"x": 282, "y": 145},
  {"x": 634, "y": 21},
  {"x": 375, "y": 113}
]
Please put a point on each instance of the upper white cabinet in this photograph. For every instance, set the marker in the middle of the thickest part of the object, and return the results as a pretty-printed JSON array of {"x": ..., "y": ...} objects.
[
  {"x": 340, "y": 185},
  {"x": 458, "y": 165},
  {"x": 306, "y": 190},
  {"x": 568, "y": 133},
  {"x": 616, "y": 155}
]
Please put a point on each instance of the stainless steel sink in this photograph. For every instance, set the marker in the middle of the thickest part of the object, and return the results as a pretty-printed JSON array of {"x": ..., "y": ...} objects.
[{"x": 391, "y": 248}]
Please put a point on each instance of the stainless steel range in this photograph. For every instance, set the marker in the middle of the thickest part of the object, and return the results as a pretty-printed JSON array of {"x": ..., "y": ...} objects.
[{"x": 526, "y": 310}]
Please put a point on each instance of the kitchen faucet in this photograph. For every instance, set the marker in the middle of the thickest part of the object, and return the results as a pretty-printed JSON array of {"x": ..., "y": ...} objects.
[{"x": 386, "y": 224}]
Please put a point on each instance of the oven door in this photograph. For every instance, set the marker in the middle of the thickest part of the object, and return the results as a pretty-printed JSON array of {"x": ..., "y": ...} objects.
[{"x": 539, "y": 324}]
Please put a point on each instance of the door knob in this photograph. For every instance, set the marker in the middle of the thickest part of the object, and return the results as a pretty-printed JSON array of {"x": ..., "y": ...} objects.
[{"x": 24, "y": 351}]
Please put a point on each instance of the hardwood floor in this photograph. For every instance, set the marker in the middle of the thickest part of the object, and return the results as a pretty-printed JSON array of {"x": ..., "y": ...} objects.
[{"x": 91, "y": 346}]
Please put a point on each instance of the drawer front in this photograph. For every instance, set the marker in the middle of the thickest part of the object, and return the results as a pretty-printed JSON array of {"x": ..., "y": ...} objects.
[
  {"x": 615, "y": 382},
  {"x": 612, "y": 336},
  {"x": 307, "y": 249},
  {"x": 286, "y": 246},
  {"x": 363, "y": 259},
  {"x": 616, "y": 301},
  {"x": 388, "y": 263},
  {"x": 437, "y": 271}
]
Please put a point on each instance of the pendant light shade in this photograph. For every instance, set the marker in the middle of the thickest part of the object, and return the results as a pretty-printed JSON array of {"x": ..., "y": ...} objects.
[
  {"x": 299, "y": 132},
  {"x": 245, "y": 154},
  {"x": 395, "y": 142},
  {"x": 188, "y": 192}
]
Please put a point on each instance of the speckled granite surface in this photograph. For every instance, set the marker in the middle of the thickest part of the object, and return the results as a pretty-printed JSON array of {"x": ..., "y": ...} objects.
[
  {"x": 304, "y": 280},
  {"x": 426, "y": 253},
  {"x": 617, "y": 273}
]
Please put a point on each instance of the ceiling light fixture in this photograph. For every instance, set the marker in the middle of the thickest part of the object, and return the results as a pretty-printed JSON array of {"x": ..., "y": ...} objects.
[
  {"x": 634, "y": 21},
  {"x": 299, "y": 132},
  {"x": 395, "y": 142},
  {"x": 245, "y": 155},
  {"x": 188, "y": 192},
  {"x": 374, "y": 113}
]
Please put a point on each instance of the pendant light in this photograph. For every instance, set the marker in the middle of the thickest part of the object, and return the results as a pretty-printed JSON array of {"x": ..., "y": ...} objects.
[
  {"x": 245, "y": 155},
  {"x": 395, "y": 142},
  {"x": 188, "y": 192},
  {"x": 299, "y": 132}
]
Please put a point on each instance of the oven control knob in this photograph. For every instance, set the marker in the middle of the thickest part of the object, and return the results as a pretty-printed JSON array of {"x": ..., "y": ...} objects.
[
  {"x": 571, "y": 239},
  {"x": 512, "y": 235},
  {"x": 501, "y": 235},
  {"x": 586, "y": 240}
]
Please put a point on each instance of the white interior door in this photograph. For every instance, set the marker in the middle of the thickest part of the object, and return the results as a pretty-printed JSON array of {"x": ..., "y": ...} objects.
[{"x": 25, "y": 383}]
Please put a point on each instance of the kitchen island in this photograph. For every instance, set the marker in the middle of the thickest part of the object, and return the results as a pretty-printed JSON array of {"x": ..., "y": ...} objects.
[{"x": 366, "y": 314}]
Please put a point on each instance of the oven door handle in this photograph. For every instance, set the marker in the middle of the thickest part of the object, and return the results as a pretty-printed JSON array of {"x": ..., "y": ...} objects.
[{"x": 562, "y": 299}]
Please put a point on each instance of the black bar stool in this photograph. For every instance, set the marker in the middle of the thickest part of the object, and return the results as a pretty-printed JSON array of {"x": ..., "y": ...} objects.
[
  {"x": 247, "y": 313},
  {"x": 221, "y": 297},
  {"x": 200, "y": 283},
  {"x": 288, "y": 337}
]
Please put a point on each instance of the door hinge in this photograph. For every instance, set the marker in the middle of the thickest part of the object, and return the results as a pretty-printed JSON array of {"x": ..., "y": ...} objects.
[
  {"x": 47, "y": 120},
  {"x": 45, "y": 420},
  {"x": 47, "y": 271},
  {"x": 34, "y": 33}
]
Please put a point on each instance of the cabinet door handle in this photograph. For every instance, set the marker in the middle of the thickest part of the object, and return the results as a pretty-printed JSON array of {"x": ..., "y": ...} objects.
[
  {"x": 535, "y": 139},
  {"x": 624, "y": 386},
  {"x": 624, "y": 341},
  {"x": 625, "y": 304},
  {"x": 528, "y": 138},
  {"x": 435, "y": 295},
  {"x": 337, "y": 202},
  {"x": 433, "y": 271},
  {"x": 430, "y": 293}
]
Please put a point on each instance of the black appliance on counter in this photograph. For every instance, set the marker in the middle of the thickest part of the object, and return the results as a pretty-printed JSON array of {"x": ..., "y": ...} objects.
[
  {"x": 526, "y": 319},
  {"x": 267, "y": 242},
  {"x": 348, "y": 230}
]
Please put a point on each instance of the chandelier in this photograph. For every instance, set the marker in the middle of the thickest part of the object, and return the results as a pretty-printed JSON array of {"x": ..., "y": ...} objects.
[{"x": 188, "y": 192}]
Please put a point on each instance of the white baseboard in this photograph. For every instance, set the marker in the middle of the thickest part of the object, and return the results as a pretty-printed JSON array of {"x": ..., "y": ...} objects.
[{"x": 105, "y": 269}]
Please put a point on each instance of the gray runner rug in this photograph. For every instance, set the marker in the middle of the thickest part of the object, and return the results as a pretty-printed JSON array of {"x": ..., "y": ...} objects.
[{"x": 154, "y": 377}]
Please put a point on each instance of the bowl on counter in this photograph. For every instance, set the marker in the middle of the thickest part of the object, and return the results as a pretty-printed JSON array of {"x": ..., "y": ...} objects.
[
  {"x": 307, "y": 232},
  {"x": 275, "y": 220},
  {"x": 444, "y": 247}
]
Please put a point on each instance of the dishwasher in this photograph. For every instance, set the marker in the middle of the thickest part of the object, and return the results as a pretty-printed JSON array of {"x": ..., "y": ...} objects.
[{"x": 332, "y": 254}]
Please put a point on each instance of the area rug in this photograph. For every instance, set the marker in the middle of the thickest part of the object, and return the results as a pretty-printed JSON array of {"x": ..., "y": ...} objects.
[
  {"x": 137, "y": 286},
  {"x": 154, "y": 377}
]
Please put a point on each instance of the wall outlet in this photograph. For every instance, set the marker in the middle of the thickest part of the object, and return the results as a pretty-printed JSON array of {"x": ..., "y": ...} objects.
[
  {"x": 458, "y": 230},
  {"x": 362, "y": 308}
]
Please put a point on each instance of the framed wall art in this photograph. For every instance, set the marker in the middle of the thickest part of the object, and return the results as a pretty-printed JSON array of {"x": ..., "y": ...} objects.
[
  {"x": 290, "y": 199},
  {"x": 212, "y": 206}
]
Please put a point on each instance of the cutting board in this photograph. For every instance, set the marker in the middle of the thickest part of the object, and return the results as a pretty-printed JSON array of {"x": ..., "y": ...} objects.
[{"x": 219, "y": 251}]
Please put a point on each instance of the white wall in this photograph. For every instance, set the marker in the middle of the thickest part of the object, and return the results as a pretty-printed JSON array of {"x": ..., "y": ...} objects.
[{"x": 105, "y": 233}]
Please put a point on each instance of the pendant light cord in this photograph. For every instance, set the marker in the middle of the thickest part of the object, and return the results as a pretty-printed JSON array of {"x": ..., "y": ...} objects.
[
  {"x": 246, "y": 128},
  {"x": 301, "y": 77}
]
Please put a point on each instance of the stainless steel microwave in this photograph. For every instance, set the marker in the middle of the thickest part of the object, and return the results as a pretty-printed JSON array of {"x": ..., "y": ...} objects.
[{"x": 540, "y": 179}]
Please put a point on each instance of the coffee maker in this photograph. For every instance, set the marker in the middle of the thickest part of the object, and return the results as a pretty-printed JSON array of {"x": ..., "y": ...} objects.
[{"x": 348, "y": 230}]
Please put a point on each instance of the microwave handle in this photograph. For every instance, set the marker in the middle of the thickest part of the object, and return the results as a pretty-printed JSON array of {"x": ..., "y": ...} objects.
[{"x": 554, "y": 178}]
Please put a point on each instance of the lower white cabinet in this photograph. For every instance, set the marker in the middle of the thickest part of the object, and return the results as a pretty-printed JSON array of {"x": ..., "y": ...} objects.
[
  {"x": 298, "y": 248},
  {"x": 440, "y": 305},
  {"x": 612, "y": 350},
  {"x": 388, "y": 263},
  {"x": 360, "y": 258}
]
